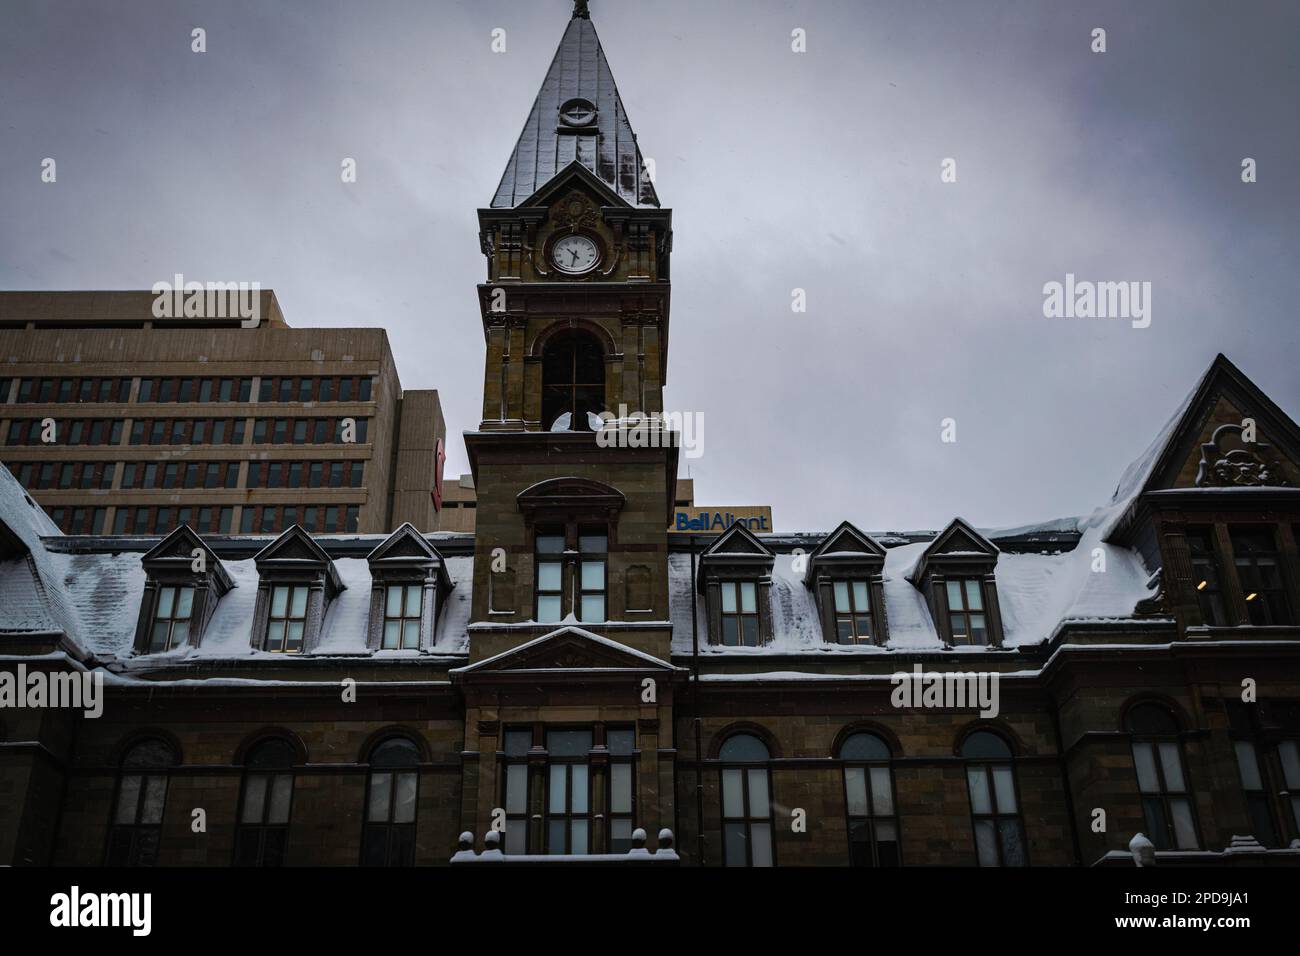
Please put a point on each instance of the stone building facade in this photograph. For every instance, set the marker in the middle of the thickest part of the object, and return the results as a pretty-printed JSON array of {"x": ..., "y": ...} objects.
[{"x": 570, "y": 673}]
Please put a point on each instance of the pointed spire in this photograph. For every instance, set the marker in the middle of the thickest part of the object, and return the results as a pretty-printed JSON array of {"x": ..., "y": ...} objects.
[{"x": 578, "y": 116}]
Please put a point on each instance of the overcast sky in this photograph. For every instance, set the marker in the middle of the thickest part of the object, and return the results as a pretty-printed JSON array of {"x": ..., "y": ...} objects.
[{"x": 818, "y": 171}]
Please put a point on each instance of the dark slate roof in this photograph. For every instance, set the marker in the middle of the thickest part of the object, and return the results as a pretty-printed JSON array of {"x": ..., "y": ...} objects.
[{"x": 579, "y": 70}]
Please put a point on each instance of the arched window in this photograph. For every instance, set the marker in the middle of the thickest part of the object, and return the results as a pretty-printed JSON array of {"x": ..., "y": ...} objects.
[
  {"x": 573, "y": 379},
  {"x": 389, "y": 836},
  {"x": 869, "y": 801},
  {"x": 995, "y": 811},
  {"x": 264, "y": 804},
  {"x": 1158, "y": 760},
  {"x": 138, "y": 811},
  {"x": 746, "y": 802}
]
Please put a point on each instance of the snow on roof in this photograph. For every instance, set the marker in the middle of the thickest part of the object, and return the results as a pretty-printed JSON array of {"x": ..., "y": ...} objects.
[{"x": 1036, "y": 593}]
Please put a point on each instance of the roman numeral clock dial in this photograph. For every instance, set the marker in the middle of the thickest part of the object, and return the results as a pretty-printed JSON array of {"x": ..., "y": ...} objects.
[{"x": 574, "y": 255}]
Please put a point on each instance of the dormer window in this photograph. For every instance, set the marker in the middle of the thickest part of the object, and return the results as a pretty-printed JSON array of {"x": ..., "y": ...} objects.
[
  {"x": 403, "y": 606},
  {"x": 171, "y": 620},
  {"x": 736, "y": 576},
  {"x": 739, "y": 613},
  {"x": 408, "y": 583},
  {"x": 288, "y": 620},
  {"x": 297, "y": 581},
  {"x": 846, "y": 574},
  {"x": 852, "y": 612},
  {"x": 955, "y": 573},
  {"x": 1259, "y": 574},
  {"x": 184, "y": 581},
  {"x": 967, "y": 622}
]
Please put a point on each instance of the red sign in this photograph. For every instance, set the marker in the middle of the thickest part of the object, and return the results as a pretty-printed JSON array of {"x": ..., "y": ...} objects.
[{"x": 439, "y": 456}]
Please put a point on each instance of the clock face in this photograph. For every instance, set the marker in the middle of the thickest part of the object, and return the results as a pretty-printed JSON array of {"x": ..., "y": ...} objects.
[{"x": 574, "y": 254}]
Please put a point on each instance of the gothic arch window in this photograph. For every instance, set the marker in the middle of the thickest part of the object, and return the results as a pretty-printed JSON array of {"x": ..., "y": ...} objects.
[
  {"x": 869, "y": 803},
  {"x": 746, "y": 801},
  {"x": 1162, "y": 779},
  {"x": 994, "y": 805},
  {"x": 141, "y": 797},
  {"x": 264, "y": 804},
  {"x": 573, "y": 380},
  {"x": 391, "y": 796}
]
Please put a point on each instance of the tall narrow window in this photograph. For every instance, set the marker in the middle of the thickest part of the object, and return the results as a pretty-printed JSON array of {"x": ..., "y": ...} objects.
[
  {"x": 136, "y": 829},
  {"x": 869, "y": 801},
  {"x": 550, "y": 577},
  {"x": 514, "y": 781},
  {"x": 573, "y": 381},
  {"x": 966, "y": 611},
  {"x": 852, "y": 612},
  {"x": 995, "y": 812},
  {"x": 288, "y": 618},
  {"x": 171, "y": 618},
  {"x": 746, "y": 802},
  {"x": 1260, "y": 576},
  {"x": 264, "y": 805},
  {"x": 1158, "y": 759},
  {"x": 739, "y": 613},
  {"x": 568, "y": 792},
  {"x": 1205, "y": 574},
  {"x": 621, "y": 743},
  {"x": 389, "y": 837},
  {"x": 592, "y": 547},
  {"x": 1288, "y": 753},
  {"x": 403, "y": 609}
]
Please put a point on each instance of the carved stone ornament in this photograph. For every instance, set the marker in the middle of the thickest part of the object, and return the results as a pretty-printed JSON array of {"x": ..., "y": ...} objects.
[
  {"x": 1228, "y": 462},
  {"x": 577, "y": 211}
]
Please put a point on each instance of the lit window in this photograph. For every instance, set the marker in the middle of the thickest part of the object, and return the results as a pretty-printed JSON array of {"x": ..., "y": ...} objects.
[
  {"x": 1205, "y": 576},
  {"x": 1260, "y": 577},
  {"x": 852, "y": 612}
]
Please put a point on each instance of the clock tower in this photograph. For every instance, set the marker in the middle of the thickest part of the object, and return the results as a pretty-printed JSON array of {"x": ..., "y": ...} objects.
[{"x": 571, "y": 527}]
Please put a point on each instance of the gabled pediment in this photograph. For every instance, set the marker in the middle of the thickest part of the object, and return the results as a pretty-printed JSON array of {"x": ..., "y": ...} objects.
[
  {"x": 568, "y": 649},
  {"x": 847, "y": 546},
  {"x": 1226, "y": 434},
  {"x": 295, "y": 552},
  {"x": 575, "y": 175},
  {"x": 405, "y": 544},
  {"x": 176, "y": 553},
  {"x": 959, "y": 544},
  {"x": 737, "y": 541}
]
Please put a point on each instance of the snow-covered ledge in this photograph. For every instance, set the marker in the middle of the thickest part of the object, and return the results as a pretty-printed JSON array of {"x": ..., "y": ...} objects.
[
  {"x": 665, "y": 855},
  {"x": 1241, "y": 851}
]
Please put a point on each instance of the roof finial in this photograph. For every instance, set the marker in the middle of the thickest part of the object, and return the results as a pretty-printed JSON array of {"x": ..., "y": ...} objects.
[{"x": 580, "y": 10}]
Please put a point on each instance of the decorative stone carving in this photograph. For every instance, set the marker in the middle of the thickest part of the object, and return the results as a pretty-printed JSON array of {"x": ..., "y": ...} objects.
[{"x": 1228, "y": 461}]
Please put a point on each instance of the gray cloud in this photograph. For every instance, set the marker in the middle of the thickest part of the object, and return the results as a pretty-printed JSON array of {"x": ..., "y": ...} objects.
[{"x": 818, "y": 171}]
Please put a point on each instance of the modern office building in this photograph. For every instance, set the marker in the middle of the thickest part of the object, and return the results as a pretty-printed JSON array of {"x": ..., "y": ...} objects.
[
  {"x": 571, "y": 672},
  {"x": 119, "y": 422}
]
